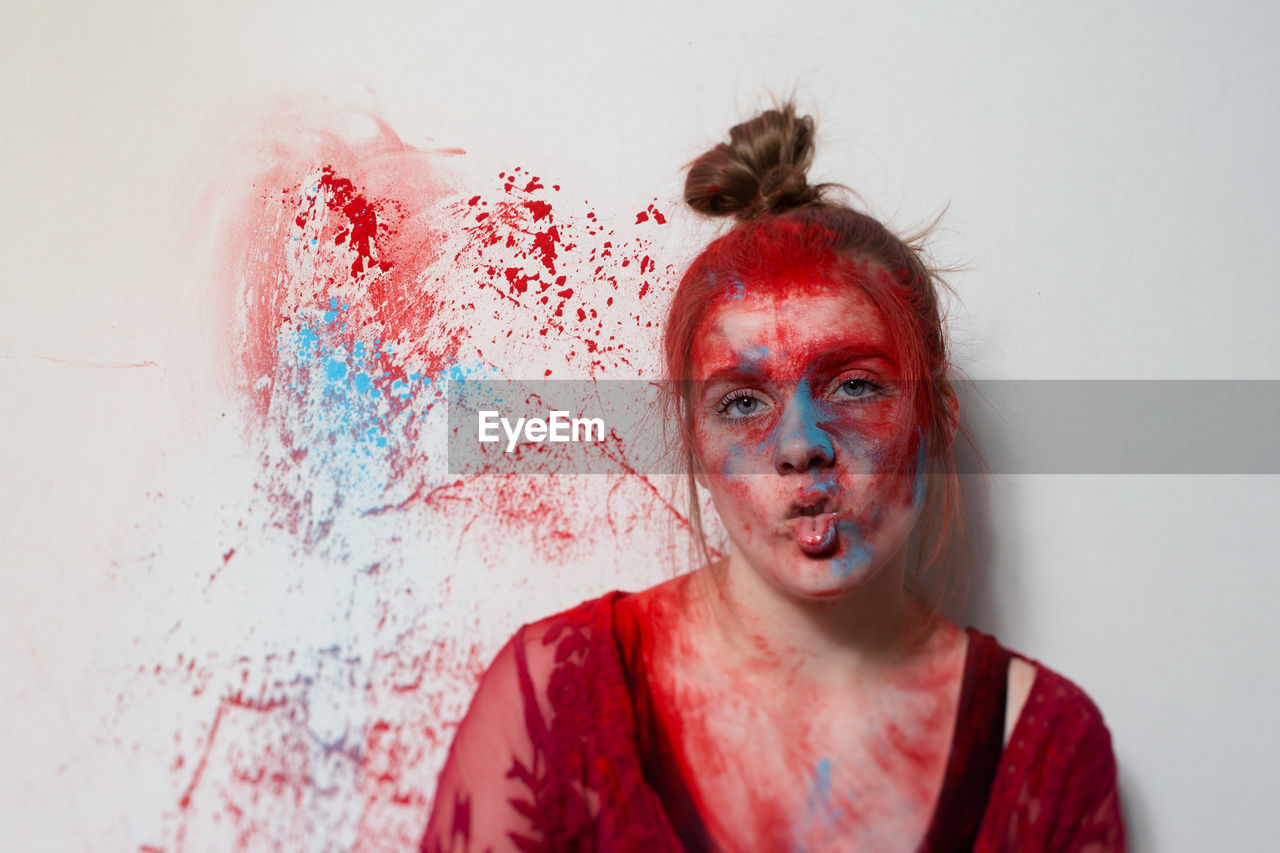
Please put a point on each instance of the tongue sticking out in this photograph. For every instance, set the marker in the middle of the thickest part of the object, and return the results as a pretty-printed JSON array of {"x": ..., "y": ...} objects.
[{"x": 815, "y": 534}]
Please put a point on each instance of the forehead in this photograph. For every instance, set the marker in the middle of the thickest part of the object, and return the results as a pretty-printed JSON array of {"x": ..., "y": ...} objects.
[{"x": 778, "y": 328}]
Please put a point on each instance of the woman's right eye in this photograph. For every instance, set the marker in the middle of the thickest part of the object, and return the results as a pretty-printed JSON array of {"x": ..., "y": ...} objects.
[{"x": 739, "y": 404}]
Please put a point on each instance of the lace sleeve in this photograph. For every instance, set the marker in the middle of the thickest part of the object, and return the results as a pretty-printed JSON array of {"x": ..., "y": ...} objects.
[
  {"x": 479, "y": 802},
  {"x": 546, "y": 758},
  {"x": 1088, "y": 819},
  {"x": 1055, "y": 790}
]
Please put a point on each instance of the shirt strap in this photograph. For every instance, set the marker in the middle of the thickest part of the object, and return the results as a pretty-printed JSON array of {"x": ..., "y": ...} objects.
[{"x": 976, "y": 747}]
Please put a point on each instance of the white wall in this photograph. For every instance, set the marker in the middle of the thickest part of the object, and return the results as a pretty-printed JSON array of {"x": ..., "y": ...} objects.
[{"x": 1112, "y": 188}]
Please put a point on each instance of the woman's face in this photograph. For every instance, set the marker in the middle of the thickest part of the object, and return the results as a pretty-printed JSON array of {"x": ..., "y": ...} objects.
[{"x": 800, "y": 421}]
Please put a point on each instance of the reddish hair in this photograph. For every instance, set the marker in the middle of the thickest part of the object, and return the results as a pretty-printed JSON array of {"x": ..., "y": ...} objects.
[{"x": 786, "y": 227}]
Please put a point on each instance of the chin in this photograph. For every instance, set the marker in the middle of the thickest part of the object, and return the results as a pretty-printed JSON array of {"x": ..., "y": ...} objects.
[{"x": 844, "y": 571}]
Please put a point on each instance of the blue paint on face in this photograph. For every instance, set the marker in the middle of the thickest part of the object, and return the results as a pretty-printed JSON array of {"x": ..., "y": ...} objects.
[
  {"x": 822, "y": 780},
  {"x": 740, "y": 461},
  {"x": 918, "y": 488},
  {"x": 857, "y": 552},
  {"x": 798, "y": 434}
]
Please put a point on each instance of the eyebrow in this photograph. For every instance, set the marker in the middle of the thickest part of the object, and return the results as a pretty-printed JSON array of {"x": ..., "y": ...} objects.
[
  {"x": 747, "y": 370},
  {"x": 837, "y": 358},
  {"x": 824, "y": 363}
]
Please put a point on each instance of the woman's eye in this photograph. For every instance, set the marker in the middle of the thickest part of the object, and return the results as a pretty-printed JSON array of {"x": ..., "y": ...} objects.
[
  {"x": 740, "y": 405},
  {"x": 856, "y": 389}
]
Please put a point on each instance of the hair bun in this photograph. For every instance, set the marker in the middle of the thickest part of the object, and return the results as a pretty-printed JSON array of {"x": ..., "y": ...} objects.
[{"x": 760, "y": 170}]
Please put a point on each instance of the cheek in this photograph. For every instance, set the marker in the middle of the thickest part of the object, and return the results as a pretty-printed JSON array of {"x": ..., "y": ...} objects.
[
  {"x": 876, "y": 432},
  {"x": 729, "y": 452},
  {"x": 886, "y": 471},
  {"x": 876, "y": 446},
  {"x": 904, "y": 493},
  {"x": 732, "y": 466}
]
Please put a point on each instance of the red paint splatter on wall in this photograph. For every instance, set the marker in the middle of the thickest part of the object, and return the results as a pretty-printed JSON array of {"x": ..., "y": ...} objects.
[{"x": 357, "y": 279}]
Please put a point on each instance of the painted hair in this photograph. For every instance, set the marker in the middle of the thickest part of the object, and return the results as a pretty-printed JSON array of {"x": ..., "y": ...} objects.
[{"x": 786, "y": 226}]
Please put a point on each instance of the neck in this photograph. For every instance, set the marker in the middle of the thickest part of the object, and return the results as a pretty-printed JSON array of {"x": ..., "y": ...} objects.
[{"x": 853, "y": 638}]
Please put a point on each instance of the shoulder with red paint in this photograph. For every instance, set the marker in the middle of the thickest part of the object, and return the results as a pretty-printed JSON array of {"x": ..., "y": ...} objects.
[
  {"x": 472, "y": 806},
  {"x": 545, "y": 757},
  {"x": 1056, "y": 786}
]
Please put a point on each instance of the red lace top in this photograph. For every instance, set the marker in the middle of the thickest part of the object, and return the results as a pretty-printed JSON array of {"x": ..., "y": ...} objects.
[{"x": 560, "y": 751}]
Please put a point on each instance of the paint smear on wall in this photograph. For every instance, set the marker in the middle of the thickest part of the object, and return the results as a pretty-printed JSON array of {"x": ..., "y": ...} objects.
[
  {"x": 358, "y": 275},
  {"x": 359, "y": 285}
]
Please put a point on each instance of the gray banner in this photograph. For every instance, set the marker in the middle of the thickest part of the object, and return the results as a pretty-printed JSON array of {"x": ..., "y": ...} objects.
[{"x": 1017, "y": 426}]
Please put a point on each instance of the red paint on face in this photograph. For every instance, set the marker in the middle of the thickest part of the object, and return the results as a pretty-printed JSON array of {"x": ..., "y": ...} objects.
[{"x": 801, "y": 411}]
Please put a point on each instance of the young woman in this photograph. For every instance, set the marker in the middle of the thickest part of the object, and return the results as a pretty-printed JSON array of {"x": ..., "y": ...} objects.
[{"x": 802, "y": 693}]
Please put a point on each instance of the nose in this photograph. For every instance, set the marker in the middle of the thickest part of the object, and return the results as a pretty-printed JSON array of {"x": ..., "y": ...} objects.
[{"x": 800, "y": 443}]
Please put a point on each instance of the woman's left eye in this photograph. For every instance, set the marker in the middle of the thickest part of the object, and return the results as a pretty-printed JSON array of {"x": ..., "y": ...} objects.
[{"x": 858, "y": 388}]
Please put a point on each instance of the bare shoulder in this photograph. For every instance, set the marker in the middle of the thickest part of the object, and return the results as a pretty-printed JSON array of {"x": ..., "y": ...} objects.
[
  {"x": 664, "y": 607},
  {"x": 545, "y": 642},
  {"x": 671, "y": 594},
  {"x": 1022, "y": 675},
  {"x": 1045, "y": 705},
  {"x": 581, "y": 616}
]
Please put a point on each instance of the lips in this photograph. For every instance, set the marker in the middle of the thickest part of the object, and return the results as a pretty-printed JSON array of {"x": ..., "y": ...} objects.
[{"x": 811, "y": 501}]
